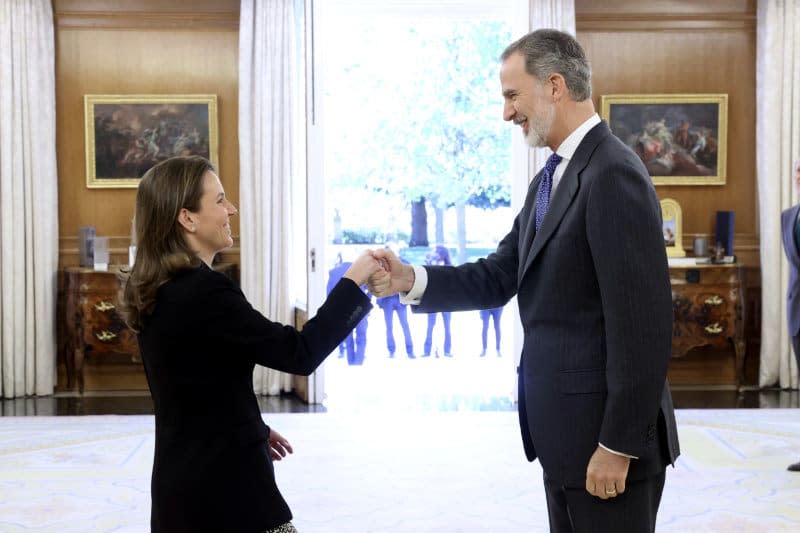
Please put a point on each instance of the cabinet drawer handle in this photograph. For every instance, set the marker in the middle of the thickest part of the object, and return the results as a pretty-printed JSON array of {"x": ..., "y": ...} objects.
[
  {"x": 104, "y": 306},
  {"x": 713, "y": 328},
  {"x": 105, "y": 335},
  {"x": 713, "y": 300}
]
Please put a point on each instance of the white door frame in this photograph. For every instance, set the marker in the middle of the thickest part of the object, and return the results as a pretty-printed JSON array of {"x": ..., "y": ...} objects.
[{"x": 315, "y": 188}]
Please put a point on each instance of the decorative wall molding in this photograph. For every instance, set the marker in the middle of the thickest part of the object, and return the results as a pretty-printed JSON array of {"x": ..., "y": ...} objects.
[
  {"x": 118, "y": 250},
  {"x": 197, "y": 15},
  {"x": 638, "y": 22},
  {"x": 148, "y": 21}
]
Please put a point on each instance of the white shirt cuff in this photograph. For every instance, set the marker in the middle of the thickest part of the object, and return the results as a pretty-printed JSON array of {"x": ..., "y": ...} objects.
[
  {"x": 414, "y": 296},
  {"x": 616, "y": 452}
]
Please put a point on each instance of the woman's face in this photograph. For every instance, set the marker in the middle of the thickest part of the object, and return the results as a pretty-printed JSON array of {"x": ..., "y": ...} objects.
[{"x": 210, "y": 230}]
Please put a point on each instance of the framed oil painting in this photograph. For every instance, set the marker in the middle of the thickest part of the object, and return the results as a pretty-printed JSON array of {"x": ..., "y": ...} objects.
[
  {"x": 681, "y": 138},
  {"x": 128, "y": 134},
  {"x": 672, "y": 226}
]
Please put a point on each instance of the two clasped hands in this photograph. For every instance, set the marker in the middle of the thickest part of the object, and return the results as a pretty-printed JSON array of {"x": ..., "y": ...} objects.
[{"x": 384, "y": 274}]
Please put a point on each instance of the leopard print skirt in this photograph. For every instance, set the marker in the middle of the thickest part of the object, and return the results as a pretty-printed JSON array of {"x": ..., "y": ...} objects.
[{"x": 283, "y": 528}]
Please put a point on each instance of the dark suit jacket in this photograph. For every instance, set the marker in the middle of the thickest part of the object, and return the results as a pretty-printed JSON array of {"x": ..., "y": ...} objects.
[
  {"x": 596, "y": 308},
  {"x": 788, "y": 219},
  {"x": 212, "y": 470}
]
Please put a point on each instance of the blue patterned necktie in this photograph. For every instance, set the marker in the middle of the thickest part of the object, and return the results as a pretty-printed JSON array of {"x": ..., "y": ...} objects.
[{"x": 543, "y": 198}]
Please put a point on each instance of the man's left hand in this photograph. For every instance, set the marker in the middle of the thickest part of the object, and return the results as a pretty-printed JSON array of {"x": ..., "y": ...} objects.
[{"x": 606, "y": 474}]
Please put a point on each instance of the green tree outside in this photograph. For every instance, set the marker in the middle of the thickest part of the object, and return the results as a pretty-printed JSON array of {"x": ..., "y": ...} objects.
[{"x": 430, "y": 128}]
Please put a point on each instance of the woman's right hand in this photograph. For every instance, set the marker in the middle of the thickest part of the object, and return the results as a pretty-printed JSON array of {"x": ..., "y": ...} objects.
[{"x": 362, "y": 268}]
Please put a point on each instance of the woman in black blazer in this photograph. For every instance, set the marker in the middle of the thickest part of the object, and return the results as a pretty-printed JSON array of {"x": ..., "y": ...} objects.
[{"x": 200, "y": 340}]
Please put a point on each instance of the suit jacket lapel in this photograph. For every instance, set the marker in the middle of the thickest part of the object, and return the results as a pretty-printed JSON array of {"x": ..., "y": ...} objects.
[{"x": 565, "y": 192}]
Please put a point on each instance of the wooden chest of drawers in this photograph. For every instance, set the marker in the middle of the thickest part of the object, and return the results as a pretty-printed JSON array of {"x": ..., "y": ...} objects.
[
  {"x": 92, "y": 321},
  {"x": 708, "y": 301},
  {"x": 93, "y": 327}
]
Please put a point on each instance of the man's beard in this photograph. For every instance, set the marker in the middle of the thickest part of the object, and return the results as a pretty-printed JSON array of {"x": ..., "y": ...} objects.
[{"x": 540, "y": 127}]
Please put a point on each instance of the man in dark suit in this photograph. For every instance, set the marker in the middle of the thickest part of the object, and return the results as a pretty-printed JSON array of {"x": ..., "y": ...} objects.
[
  {"x": 790, "y": 228},
  {"x": 586, "y": 259}
]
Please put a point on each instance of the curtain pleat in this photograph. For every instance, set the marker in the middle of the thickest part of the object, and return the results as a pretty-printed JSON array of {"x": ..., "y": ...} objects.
[
  {"x": 28, "y": 199},
  {"x": 777, "y": 146},
  {"x": 267, "y": 93}
]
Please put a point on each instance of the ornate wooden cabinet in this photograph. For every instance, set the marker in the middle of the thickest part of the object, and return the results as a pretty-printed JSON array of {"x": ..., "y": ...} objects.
[
  {"x": 93, "y": 326},
  {"x": 708, "y": 301},
  {"x": 93, "y": 323}
]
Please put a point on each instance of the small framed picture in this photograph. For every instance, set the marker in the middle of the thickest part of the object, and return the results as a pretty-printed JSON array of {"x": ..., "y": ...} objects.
[
  {"x": 128, "y": 134},
  {"x": 672, "y": 227}
]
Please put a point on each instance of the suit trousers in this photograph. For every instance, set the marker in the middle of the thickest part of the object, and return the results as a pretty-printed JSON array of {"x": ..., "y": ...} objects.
[{"x": 573, "y": 510}]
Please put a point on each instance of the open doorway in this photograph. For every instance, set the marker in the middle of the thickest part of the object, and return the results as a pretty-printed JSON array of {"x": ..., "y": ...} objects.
[{"x": 415, "y": 156}]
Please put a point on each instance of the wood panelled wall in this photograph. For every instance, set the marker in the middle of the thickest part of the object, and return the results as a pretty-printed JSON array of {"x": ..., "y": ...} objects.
[
  {"x": 686, "y": 46},
  {"x": 171, "y": 46},
  {"x": 138, "y": 47},
  {"x": 175, "y": 47}
]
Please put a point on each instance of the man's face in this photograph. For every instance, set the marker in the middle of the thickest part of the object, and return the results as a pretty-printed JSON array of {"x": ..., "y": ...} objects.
[{"x": 528, "y": 101}]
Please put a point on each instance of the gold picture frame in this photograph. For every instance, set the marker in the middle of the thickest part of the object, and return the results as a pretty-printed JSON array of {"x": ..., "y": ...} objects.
[
  {"x": 681, "y": 138},
  {"x": 672, "y": 224},
  {"x": 128, "y": 134}
]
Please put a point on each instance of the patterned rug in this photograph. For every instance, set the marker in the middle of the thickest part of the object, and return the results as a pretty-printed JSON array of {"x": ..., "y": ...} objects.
[{"x": 397, "y": 472}]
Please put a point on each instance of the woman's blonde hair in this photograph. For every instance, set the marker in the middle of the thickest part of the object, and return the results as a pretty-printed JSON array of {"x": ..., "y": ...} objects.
[{"x": 161, "y": 250}]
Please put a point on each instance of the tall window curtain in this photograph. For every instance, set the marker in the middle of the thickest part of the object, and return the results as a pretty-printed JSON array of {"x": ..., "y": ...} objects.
[
  {"x": 267, "y": 93},
  {"x": 28, "y": 199},
  {"x": 557, "y": 15},
  {"x": 777, "y": 146}
]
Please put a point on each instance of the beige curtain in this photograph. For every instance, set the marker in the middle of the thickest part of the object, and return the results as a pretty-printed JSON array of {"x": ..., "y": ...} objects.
[
  {"x": 557, "y": 15},
  {"x": 267, "y": 109},
  {"x": 777, "y": 145},
  {"x": 28, "y": 199}
]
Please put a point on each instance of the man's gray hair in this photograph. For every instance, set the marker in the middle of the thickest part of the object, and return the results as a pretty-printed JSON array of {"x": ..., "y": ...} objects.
[{"x": 552, "y": 51}]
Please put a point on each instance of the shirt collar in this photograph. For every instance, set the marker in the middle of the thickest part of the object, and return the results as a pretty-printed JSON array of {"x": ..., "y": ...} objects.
[{"x": 570, "y": 144}]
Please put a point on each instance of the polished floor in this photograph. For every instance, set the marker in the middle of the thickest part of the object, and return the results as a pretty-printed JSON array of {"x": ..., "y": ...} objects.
[
  {"x": 137, "y": 403},
  {"x": 411, "y": 472}
]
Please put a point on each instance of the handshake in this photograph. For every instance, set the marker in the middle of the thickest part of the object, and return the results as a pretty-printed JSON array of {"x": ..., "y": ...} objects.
[{"x": 382, "y": 272}]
